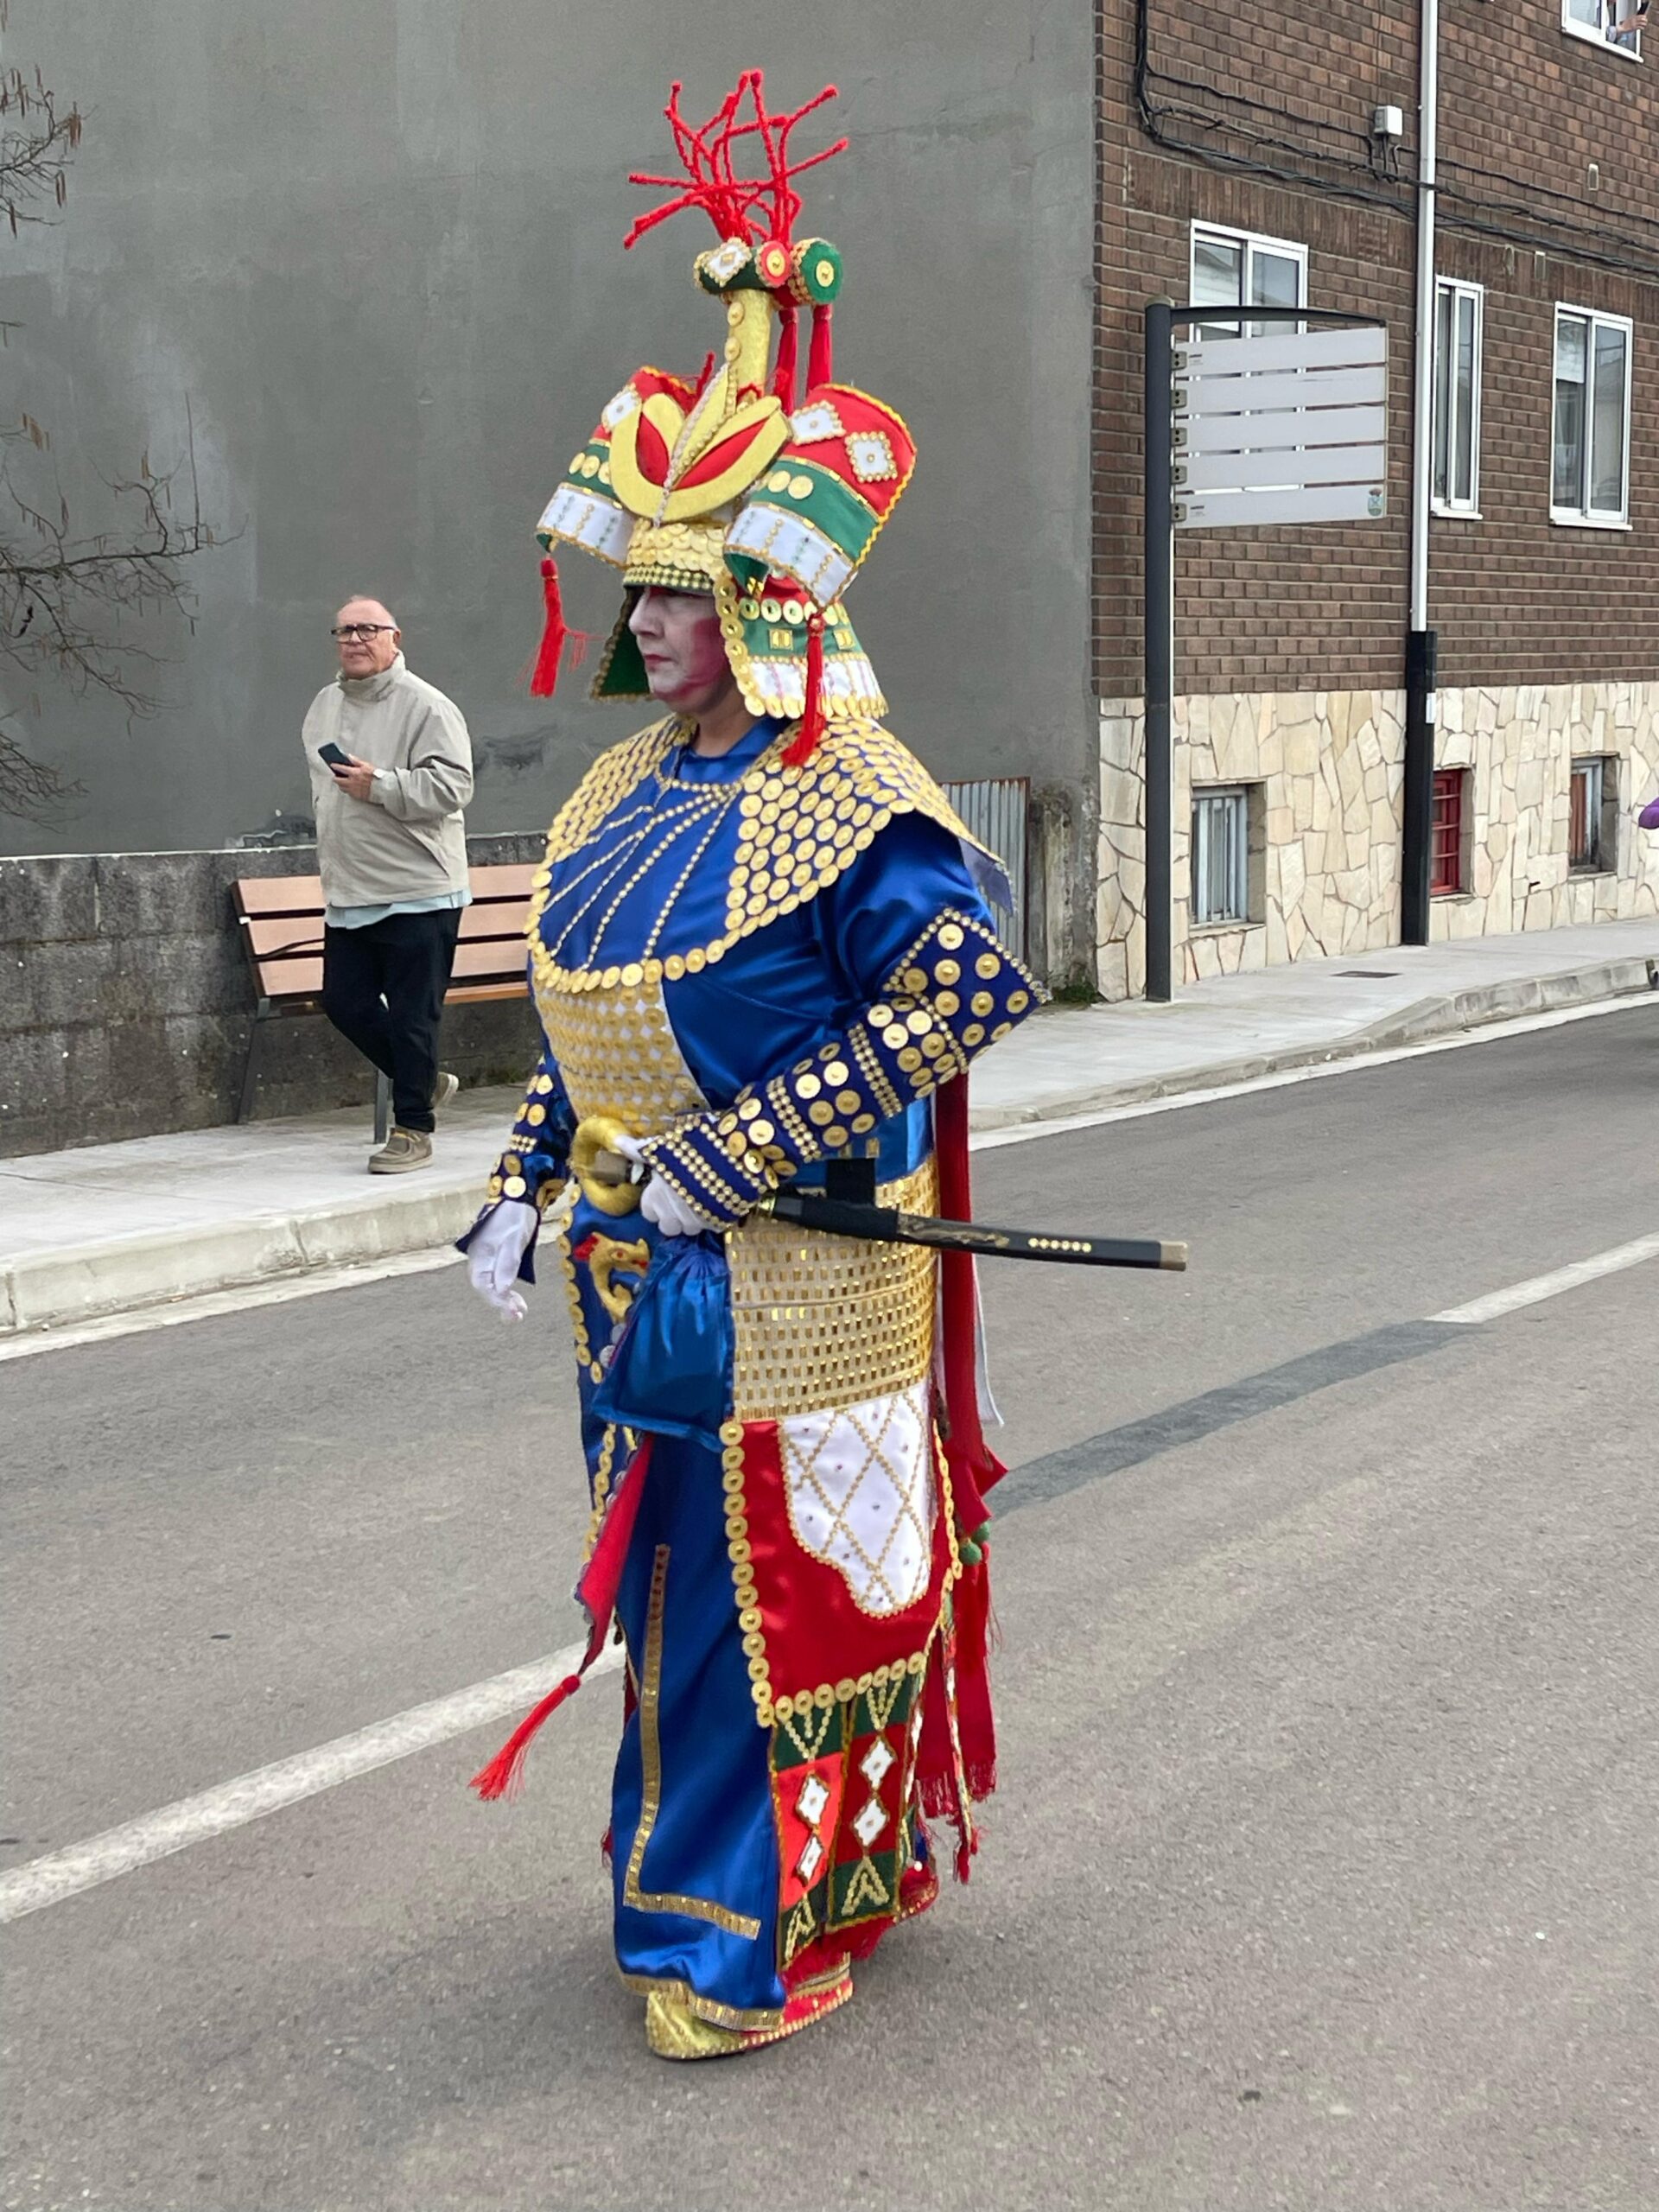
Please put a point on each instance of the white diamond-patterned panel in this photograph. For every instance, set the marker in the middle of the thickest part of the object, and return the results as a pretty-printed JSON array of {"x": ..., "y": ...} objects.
[{"x": 860, "y": 1485}]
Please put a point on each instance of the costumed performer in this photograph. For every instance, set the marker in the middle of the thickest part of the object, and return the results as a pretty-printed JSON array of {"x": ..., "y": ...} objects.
[{"x": 759, "y": 944}]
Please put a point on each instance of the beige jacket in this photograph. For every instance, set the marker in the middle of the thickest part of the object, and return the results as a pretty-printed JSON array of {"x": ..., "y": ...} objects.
[{"x": 409, "y": 840}]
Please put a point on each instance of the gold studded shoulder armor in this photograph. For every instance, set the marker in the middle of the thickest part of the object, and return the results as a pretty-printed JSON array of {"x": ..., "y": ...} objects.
[
  {"x": 801, "y": 828},
  {"x": 798, "y": 829}
]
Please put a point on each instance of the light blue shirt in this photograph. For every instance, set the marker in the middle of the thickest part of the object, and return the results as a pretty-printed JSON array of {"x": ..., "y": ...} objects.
[{"x": 359, "y": 917}]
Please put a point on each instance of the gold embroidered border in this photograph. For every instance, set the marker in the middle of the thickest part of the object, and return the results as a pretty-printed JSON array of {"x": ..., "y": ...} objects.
[
  {"x": 719, "y": 2016},
  {"x": 771, "y": 1712},
  {"x": 915, "y": 1508},
  {"x": 578, "y": 1320},
  {"x": 651, "y": 1765}
]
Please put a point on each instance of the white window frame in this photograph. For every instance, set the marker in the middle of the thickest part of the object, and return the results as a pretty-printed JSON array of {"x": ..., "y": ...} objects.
[
  {"x": 1238, "y": 796},
  {"x": 1585, "y": 517},
  {"x": 1457, "y": 287},
  {"x": 1628, "y": 48},
  {"x": 1601, "y": 812},
  {"x": 1252, "y": 242}
]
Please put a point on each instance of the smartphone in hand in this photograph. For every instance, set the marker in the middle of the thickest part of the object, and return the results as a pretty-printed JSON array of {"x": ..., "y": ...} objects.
[{"x": 333, "y": 756}]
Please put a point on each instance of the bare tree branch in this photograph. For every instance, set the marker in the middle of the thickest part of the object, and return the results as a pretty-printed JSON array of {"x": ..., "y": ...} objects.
[
  {"x": 70, "y": 600},
  {"x": 37, "y": 139}
]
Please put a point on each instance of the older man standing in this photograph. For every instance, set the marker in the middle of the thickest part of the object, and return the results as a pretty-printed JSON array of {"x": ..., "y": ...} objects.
[{"x": 391, "y": 769}]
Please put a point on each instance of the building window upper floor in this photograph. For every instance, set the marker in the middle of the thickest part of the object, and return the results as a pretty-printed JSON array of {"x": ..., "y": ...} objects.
[
  {"x": 1590, "y": 441},
  {"x": 1616, "y": 24},
  {"x": 1240, "y": 269},
  {"x": 1458, "y": 314}
]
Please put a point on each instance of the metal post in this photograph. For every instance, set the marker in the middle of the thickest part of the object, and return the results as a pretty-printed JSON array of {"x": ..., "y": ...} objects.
[
  {"x": 1420, "y": 641},
  {"x": 1160, "y": 649},
  {"x": 1418, "y": 794}
]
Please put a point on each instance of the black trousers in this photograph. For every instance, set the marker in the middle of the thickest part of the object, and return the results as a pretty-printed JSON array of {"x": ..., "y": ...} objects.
[{"x": 383, "y": 987}]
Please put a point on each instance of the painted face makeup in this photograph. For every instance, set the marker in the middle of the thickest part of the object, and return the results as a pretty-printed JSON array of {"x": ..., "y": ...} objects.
[{"x": 680, "y": 643}]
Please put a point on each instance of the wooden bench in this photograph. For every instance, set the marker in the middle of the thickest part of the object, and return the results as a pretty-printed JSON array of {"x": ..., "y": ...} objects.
[{"x": 280, "y": 921}]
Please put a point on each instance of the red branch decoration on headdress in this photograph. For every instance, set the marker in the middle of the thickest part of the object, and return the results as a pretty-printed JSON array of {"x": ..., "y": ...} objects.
[{"x": 730, "y": 200}]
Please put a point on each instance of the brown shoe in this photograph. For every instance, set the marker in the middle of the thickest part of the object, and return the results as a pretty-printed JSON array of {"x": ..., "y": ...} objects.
[
  {"x": 403, "y": 1150},
  {"x": 445, "y": 1088}
]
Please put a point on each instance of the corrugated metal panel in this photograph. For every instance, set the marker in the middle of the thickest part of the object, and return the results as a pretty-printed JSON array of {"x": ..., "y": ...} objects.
[{"x": 996, "y": 811}]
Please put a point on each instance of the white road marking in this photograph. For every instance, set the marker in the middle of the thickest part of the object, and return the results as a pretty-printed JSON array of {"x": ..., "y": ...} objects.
[
  {"x": 156, "y": 1835},
  {"x": 210, "y": 1302},
  {"x": 1491, "y": 1033},
  {"x": 137, "y": 1843},
  {"x": 1537, "y": 1287}
]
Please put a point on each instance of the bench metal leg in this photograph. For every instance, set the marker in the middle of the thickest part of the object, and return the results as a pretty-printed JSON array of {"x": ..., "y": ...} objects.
[
  {"x": 244, "y": 1103},
  {"x": 382, "y": 1106}
]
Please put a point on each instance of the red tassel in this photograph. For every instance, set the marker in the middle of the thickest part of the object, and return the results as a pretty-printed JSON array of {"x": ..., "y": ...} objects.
[
  {"x": 820, "y": 366},
  {"x": 597, "y": 1592},
  {"x": 802, "y": 746},
  {"x": 976, "y": 1724},
  {"x": 545, "y": 681},
  {"x": 783, "y": 377},
  {"x": 504, "y": 1773}
]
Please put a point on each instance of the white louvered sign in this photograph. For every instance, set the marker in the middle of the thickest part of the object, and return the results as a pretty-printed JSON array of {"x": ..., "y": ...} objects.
[{"x": 1287, "y": 427}]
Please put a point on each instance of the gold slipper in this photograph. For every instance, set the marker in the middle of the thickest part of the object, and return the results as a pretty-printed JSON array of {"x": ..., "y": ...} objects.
[{"x": 674, "y": 2030}]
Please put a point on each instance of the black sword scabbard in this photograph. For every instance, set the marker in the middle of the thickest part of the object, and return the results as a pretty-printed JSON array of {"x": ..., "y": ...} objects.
[{"x": 885, "y": 1225}]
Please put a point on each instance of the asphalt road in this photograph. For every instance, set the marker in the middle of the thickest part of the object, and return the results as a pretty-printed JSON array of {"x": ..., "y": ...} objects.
[{"x": 1324, "y": 1872}]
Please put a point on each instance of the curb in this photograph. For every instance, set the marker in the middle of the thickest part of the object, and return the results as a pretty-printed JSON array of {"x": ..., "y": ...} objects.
[
  {"x": 1439, "y": 1016},
  {"x": 127, "y": 1273},
  {"x": 94, "y": 1280}
]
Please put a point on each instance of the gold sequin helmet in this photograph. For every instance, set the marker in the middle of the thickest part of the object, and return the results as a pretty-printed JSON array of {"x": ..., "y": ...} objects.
[{"x": 723, "y": 482}]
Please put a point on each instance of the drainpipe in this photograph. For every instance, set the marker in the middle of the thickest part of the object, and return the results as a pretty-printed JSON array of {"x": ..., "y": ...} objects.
[{"x": 1422, "y": 641}]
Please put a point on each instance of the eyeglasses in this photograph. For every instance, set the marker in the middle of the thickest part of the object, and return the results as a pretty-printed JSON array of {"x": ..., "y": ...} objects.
[{"x": 347, "y": 630}]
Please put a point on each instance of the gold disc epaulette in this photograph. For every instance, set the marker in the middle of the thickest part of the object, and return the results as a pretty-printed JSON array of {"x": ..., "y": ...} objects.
[{"x": 799, "y": 829}]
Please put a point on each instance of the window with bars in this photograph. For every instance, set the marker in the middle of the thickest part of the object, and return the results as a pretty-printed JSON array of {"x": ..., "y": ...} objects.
[
  {"x": 1592, "y": 815},
  {"x": 1220, "y": 855},
  {"x": 1457, "y": 317},
  {"x": 1590, "y": 460},
  {"x": 1445, "y": 833}
]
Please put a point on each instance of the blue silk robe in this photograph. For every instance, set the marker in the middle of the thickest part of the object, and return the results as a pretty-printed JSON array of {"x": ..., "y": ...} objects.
[{"x": 758, "y": 968}]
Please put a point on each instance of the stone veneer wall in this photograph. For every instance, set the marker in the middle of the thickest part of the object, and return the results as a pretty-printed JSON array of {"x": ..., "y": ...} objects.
[
  {"x": 1325, "y": 861},
  {"x": 1520, "y": 744}
]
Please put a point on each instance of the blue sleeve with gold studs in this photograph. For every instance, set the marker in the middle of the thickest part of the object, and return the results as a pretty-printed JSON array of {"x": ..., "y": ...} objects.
[
  {"x": 953, "y": 990},
  {"x": 537, "y": 1157}
]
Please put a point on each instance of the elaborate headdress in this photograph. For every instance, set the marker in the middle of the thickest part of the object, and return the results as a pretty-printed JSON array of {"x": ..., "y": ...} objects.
[{"x": 726, "y": 483}]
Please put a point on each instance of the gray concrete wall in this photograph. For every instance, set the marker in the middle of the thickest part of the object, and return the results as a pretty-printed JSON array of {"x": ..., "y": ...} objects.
[
  {"x": 375, "y": 246},
  {"x": 127, "y": 1003}
]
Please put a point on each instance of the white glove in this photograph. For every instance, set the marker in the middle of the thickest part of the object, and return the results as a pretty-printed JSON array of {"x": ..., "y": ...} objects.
[
  {"x": 660, "y": 1203},
  {"x": 493, "y": 1256}
]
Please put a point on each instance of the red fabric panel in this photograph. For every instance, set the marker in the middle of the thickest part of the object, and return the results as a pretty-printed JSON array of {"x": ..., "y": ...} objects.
[{"x": 814, "y": 1631}]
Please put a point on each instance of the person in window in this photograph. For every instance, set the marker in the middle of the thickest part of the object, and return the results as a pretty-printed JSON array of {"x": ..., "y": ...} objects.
[
  {"x": 760, "y": 943},
  {"x": 1632, "y": 22}
]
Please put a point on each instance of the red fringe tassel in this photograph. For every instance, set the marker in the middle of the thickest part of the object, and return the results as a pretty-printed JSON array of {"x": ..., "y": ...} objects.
[
  {"x": 502, "y": 1777},
  {"x": 802, "y": 746},
  {"x": 597, "y": 1589},
  {"x": 820, "y": 364},
  {"x": 545, "y": 680},
  {"x": 783, "y": 377}
]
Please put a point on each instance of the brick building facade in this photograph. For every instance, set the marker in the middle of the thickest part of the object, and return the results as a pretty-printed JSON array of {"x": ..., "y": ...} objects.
[{"x": 1237, "y": 145}]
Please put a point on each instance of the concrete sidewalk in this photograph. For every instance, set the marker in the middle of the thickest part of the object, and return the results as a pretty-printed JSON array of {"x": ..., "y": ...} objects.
[{"x": 110, "y": 1228}]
